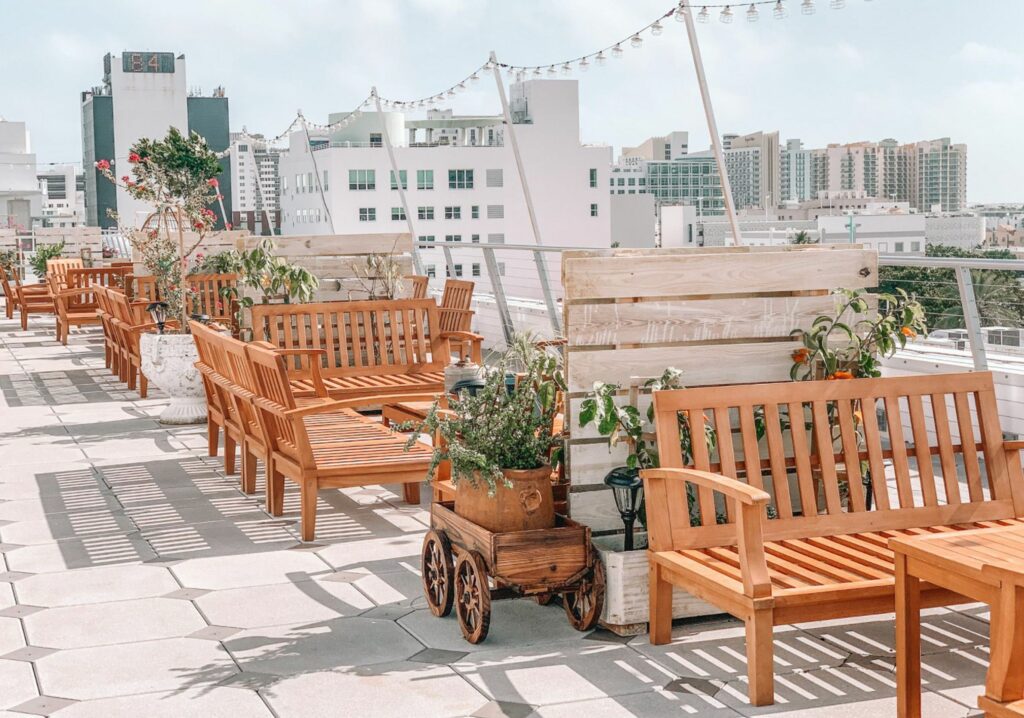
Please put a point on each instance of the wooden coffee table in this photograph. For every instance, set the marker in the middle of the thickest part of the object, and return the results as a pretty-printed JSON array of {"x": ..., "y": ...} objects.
[{"x": 985, "y": 565}]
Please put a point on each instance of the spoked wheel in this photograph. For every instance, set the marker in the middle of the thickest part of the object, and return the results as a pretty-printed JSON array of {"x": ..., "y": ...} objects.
[
  {"x": 436, "y": 568},
  {"x": 472, "y": 596},
  {"x": 583, "y": 606}
]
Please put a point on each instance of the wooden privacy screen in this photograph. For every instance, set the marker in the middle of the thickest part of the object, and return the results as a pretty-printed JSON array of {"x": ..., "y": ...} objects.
[{"x": 721, "y": 315}]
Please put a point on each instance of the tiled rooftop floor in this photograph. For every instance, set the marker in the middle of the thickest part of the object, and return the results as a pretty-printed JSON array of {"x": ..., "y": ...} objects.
[{"x": 136, "y": 580}]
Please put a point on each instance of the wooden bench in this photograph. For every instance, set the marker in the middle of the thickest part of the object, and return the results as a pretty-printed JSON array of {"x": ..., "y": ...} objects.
[
  {"x": 827, "y": 557},
  {"x": 369, "y": 348},
  {"x": 206, "y": 295},
  {"x": 75, "y": 300},
  {"x": 58, "y": 268}
]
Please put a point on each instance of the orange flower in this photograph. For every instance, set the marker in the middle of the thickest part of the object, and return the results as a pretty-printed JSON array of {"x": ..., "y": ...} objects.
[
  {"x": 840, "y": 375},
  {"x": 801, "y": 356},
  {"x": 908, "y": 332},
  {"x": 858, "y": 418}
]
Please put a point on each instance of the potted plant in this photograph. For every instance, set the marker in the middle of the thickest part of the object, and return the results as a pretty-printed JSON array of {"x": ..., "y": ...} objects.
[
  {"x": 497, "y": 442},
  {"x": 178, "y": 177},
  {"x": 379, "y": 276},
  {"x": 43, "y": 254}
]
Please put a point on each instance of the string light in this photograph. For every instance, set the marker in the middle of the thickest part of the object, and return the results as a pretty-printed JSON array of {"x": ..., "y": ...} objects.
[
  {"x": 600, "y": 59},
  {"x": 703, "y": 15},
  {"x": 752, "y": 14},
  {"x": 636, "y": 41},
  {"x": 617, "y": 51},
  {"x": 837, "y": 4},
  {"x": 656, "y": 28},
  {"x": 807, "y": 7},
  {"x": 680, "y": 14},
  {"x": 780, "y": 11},
  {"x": 726, "y": 15}
]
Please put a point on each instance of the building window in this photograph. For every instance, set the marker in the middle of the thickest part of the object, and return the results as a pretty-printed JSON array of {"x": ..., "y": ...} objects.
[
  {"x": 476, "y": 269},
  {"x": 362, "y": 179},
  {"x": 425, "y": 212},
  {"x": 376, "y": 139},
  {"x": 453, "y": 238},
  {"x": 915, "y": 246},
  {"x": 458, "y": 271},
  {"x": 501, "y": 269},
  {"x": 622, "y": 182},
  {"x": 367, "y": 214},
  {"x": 474, "y": 238},
  {"x": 495, "y": 211},
  {"x": 460, "y": 179},
  {"x": 474, "y": 211},
  {"x": 326, "y": 185},
  {"x": 899, "y": 246},
  {"x": 431, "y": 271},
  {"x": 424, "y": 179},
  {"x": 397, "y": 213},
  {"x": 593, "y": 177},
  {"x": 495, "y": 178},
  {"x": 405, "y": 180},
  {"x": 453, "y": 212},
  {"x": 425, "y": 238},
  {"x": 593, "y": 209}
]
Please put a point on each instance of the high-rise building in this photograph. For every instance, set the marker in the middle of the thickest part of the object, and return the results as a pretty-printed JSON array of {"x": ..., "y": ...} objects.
[
  {"x": 794, "y": 172},
  {"x": 20, "y": 198},
  {"x": 143, "y": 94},
  {"x": 255, "y": 184},
  {"x": 752, "y": 162},
  {"x": 63, "y": 189},
  {"x": 461, "y": 181},
  {"x": 672, "y": 146},
  {"x": 937, "y": 174}
]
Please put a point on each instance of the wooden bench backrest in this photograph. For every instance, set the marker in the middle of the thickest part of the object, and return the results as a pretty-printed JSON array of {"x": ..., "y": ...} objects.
[
  {"x": 206, "y": 297},
  {"x": 418, "y": 285},
  {"x": 87, "y": 279},
  {"x": 941, "y": 410},
  {"x": 455, "y": 302},
  {"x": 6, "y": 281},
  {"x": 359, "y": 338},
  {"x": 234, "y": 365},
  {"x": 273, "y": 387},
  {"x": 211, "y": 356},
  {"x": 59, "y": 267},
  {"x": 142, "y": 287}
]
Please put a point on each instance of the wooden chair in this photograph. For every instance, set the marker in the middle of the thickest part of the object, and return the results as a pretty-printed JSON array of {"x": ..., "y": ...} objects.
[
  {"x": 816, "y": 559},
  {"x": 207, "y": 296},
  {"x": 76, "y": 302},
  {"x": 220, "y": 413},
  {"x": 129, "y": 320},
  {"x": 141, "y": 287},
  {"x": 111, "y": 348},
  {"x": 327, "y": 444},
  {"x": 27, "y": 299},
  {"x": 419, "y": 284},
  {"x": 370, "y": 347},
  {"x": 58, "y": 268},
  {"x": 455, "y": 313}
]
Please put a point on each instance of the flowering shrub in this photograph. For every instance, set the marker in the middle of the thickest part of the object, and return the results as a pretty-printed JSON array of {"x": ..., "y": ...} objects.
[{"x": 177, "y": 176}]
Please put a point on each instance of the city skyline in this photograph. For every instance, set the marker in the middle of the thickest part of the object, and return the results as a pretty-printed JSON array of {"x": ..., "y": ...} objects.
[{"x": 955, "y": 77}]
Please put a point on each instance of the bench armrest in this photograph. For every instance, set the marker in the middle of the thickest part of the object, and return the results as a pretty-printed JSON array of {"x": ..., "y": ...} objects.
[
  {"x": 748, "y": 516},
  {"x": 355, "y": 402},
  {"x": 732, "y": 488},
  {"x": 475, "y": 342},
  {"x": 1013, "y": 445},
  {"x": 315, "y": 375}
]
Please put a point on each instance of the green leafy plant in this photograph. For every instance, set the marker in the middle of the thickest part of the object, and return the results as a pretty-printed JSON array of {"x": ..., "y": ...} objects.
[
  {"x": 228, "y": 262},
  {"x": 379, "y": 276},
  {"x": 43, "y": 254},
  {"x": 803, "y": 237},
  {"x": 8, "y": 258},
  {"x": 501, "y": 426},
  {"x": 849, "y": 343}
]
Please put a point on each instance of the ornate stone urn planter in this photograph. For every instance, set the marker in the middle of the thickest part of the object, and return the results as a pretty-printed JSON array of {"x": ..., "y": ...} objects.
[{"x": 168, "y": 361}]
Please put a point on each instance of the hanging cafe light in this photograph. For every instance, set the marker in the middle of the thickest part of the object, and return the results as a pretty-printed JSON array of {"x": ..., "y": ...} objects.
[
  {"x": 752, "y": 14},
  {"x": 779, "y": 11},
  {"x": 807, "y": 7},
  {"x": 703, "y": 15},
  {"x": 726, "y": 16}
]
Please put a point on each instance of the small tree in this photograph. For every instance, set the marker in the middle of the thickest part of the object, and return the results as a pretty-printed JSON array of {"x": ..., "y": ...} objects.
[{"x": 178, "y": 176}]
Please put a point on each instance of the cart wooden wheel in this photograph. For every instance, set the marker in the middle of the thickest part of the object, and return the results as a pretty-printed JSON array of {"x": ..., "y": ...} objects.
[
  {"x": 438, "y": 575},
  {"x": 583, "y": 605},
  {"x": 472, "y": 596}
]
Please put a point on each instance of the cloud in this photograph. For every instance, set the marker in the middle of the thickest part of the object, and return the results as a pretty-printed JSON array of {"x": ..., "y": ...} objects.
[{"x": 975, "y": 53}]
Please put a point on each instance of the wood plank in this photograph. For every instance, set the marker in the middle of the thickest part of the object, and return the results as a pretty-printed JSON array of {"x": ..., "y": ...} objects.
[
  {"x": 968, "y": 451},
  {"x": 851, "y": 455},
  {"x": 658, "y": 274},
  {"x": 777, "y": 457},
  {"x": 945, "y": 442},
  {"x": 901, "y": 466},
  {"x": 919, "y": 430},
  {"x": 826, "y": 459},
  {"x": 802, "y": 454}
]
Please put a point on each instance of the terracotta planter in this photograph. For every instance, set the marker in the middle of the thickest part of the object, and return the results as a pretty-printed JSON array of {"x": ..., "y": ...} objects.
[{"x": 528, "y": 504}]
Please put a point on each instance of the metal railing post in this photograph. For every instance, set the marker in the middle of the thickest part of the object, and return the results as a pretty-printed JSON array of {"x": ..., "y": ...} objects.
[
  {"x": 507, "y": 327},
  {"x": 972, "y": 319},
  {"x": 549, "y": 298}
]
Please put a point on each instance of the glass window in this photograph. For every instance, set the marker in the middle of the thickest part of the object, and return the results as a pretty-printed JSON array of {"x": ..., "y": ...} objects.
[
  {"x": 475, "y": 238},
  {"x": 431, "y": 271},
  {"x": 367, "y": 214},
  {"x": 593, "y": 208},
  {"x": 453, "y": 238},
  {"x": 405, "y": 180},
  {"x": 474, "y": 211},
  {"x": 593, "y": 177},
  {"x": 458, "y": 271},
  {"x": 326, "y": 184},
  {"x": 453, "y": 212},
  {"x": 476, "y": 269},
  {"x": 376, "y": 139},
  {"x": 460, "y": 179},
  {"x": 424, "y": 179},
  {"x": 362, "y": 179},
  {"x": 397, "y": 213},
  {"x": 425, "y": 212}
]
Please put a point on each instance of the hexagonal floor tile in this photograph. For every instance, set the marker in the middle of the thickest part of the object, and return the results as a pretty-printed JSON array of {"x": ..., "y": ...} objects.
[
  {"x": 204, "y": 703},
  {"x": 96, "y": 585},
  {"x": 102, "y": 624},
  {"x": 253, "y": 569},
  {"x": 17, "y": 683},
  {"x": 11, "y": 636},
  {"x": 283, "y": 603},
  {"x": 338, "y": 643},
  {"x": 383, "y": 691},
  {"x": 106, "y": 671}
]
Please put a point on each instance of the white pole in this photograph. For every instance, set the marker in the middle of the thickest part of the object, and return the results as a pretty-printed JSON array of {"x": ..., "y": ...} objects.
[
  {"x": 709, "y": 113},
  {"x": 538, "y": 257},
  {"x": 417, "y": 263}
]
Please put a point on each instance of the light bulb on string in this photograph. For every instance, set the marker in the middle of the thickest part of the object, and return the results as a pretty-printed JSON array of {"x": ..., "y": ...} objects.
[
  {"x": 536, "y": 72},
  {"x": 511, "y": 71},
  {"x": 837, "y": 4},
  {"x": 807, "y": 7},
  {"x": 636, "y": 41},
  {"x": 656, "y": 28},
  {"x": 726, "y": 16},
  {"x": 461, "y": 87},
  {"x": 680, "y": 15},
  {"x": 451, "y": 92},
  {"x": 601, "y": 58},
  {"x": 552, "y": 71},
  {"x": 566, "y": 68},
  {"x": 779, "y": 11},
  {"x": 474, "y": 78},
  {"x": 703, "y": 15},
  {"x": 488, "y": 66},
  {"x": 752, "y": 14},
  {"x": 617, "y": 51},
  {"x": 584, "y": 65}
]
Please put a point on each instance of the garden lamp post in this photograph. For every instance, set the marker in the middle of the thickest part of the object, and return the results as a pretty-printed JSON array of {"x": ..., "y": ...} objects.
[
  {"x": 627, "y": 487},
  {"x": 158, "y": 310}
]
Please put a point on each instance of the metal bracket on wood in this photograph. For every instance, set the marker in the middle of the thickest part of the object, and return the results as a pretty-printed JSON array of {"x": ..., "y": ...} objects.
[
  {"x": 972, "y": 318},
  {"x": 507, "y": 327}
]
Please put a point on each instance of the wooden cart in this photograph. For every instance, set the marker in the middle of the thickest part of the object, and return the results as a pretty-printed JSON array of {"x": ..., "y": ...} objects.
[{"x": 465, "y": 566}]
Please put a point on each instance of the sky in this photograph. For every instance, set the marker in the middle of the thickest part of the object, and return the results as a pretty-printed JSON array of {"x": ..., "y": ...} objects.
[{"x": 907, "y": 69}]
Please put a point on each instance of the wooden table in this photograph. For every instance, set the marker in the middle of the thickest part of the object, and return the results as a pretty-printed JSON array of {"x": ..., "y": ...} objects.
[{"x": 985, "y": 565}]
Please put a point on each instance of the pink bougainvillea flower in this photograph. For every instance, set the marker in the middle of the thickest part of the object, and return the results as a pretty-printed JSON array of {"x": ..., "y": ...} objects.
[
  {"x": 102, "y": 165},
  {"x": 208, "y": 212},
  {"x": 126, "y": 179},
  {"x": 228, "y": 225},
  {"x": 134, "y": 157},
  {"x": 220, "y": 196},
  {"x": 212, "y": 182}
]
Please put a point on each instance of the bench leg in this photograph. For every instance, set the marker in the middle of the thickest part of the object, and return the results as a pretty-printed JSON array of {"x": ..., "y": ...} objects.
[
  {"x": 143, "y": 385},
  {"x": 212, "y": 436},
  {"x": 411, "y": 493},
  {"x": 1005, "y": 680},
  {"x": 275, "y": 490},
  {"x": 308, "y": 517},
  {"x": 908, "y": 641},
  {"x": 229, "y": 453},
  {"x": 760, "y": 658},
  {"x": 660, "y": 607},
  {"x": 248, "y": 470}
]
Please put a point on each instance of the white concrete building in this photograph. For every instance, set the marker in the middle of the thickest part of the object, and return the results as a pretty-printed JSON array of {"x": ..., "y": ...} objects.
[
  {"x": 888, "y": 233},
  {"x": 63, "y": 189},
  {"x": 966, "y": 231},
  {"x": 255, "y": 183},
  {"x": 461, "y": 183},
  {"x": 20, "y": 198},
  {"x": 752, "y": 162}
]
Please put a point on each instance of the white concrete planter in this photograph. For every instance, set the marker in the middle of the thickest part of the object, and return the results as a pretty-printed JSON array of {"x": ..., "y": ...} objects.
[
  {"x": 168, "y": 361},
  {"x": 626, "y": 607}
]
